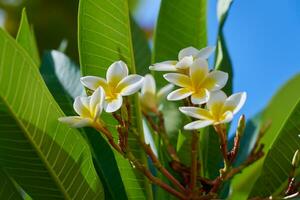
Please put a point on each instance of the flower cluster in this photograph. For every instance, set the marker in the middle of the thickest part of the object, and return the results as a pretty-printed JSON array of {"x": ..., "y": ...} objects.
[
  {"x": 199, "y": 85},
  {"x": 202, "y": 86}
]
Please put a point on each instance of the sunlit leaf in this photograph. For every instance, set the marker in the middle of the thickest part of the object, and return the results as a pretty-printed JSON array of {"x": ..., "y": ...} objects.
[{"x": 46, "y": 158}]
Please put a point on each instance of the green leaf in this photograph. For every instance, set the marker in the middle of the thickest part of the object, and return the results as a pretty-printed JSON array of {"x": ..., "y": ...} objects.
[
  {"x": 62, "y": 77},
  {"x": 180, "y": 24},
  {"x": 280, "y": 112},
  {"x": 209, "y": 140},
  {"x": 46, "y": 158},
  {"x": 105, "y": 37},
  {"x": 8, "y": 189},
  {"x": 26, "y": 39},
  {"x": 142, "y": 52}
]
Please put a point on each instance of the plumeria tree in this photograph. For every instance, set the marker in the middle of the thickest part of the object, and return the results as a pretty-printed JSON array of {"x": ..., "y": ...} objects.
[{"x": 128, "y": 126}]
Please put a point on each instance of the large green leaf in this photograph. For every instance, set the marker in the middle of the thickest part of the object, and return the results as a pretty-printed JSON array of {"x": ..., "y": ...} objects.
[
  {"x": 279, "y": 111},
  {"x": 142, "y": 52},
  {"x": 26, "y": 39},
  {"x": 46, "y": 158},
  {"x": 8, "y": 189},
  {"x": 180, "y": 24},
  {"x": 105, "y": 37},
  {"x": 62, "y": 77}
]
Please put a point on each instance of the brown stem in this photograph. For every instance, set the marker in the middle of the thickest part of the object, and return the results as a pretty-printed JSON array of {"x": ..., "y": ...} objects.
[
  {"x": 194, "y": 156},
  {"x": 108, "y": 135},
  {"x": 160, "y": 167},
  {"x": 154, "y": 179}
]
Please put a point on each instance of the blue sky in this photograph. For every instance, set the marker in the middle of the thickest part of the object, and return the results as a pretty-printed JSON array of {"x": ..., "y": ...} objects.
[{"x": 263, "y": 38}]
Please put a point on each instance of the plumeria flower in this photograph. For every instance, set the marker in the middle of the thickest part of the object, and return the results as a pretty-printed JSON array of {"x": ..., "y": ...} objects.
[
  {"x": 198, "y": 84},
  {"x": 220, "y": 109},
  {"x": 88, "y": 109},
  {"x": 186, "y": 57},
  {"x": 149, "y": 98},
  {"x": 117, "y": 84}
]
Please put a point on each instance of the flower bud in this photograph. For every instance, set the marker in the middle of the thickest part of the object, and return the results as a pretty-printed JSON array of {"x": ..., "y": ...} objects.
[
  {"x": 296, "y": 159},
  {"x": 241, "y": 126}
]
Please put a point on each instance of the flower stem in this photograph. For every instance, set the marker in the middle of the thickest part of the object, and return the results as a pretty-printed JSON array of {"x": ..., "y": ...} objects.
[{"x": 194, "y": 155}]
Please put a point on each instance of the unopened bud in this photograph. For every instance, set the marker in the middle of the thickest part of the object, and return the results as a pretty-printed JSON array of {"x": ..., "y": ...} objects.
[
  {"x": 296, "y": 159},
  {"x": 241, "y": 126}
]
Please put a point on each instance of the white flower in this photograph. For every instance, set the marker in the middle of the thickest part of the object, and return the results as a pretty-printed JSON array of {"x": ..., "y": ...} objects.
[
  {"x": 117, "y": 84},
  {"x": 148, "y": 97},
  {"x": 186, "y": 57},
  {"x": 220, "y": 109},
  {"x": 88, "y": 109},
  {"x": 198, "y": 84}
]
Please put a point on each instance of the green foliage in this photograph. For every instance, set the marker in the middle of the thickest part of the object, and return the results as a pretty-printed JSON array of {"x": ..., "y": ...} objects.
[
  {"x": 62, "y": 78},
  {"x": 26, "y": 39},
  {"x": 46, "y": 158},
  {"x": 8, "y": 188},
  {"x": 105, "y": 37},
  {"x": 280, "y": 112}
]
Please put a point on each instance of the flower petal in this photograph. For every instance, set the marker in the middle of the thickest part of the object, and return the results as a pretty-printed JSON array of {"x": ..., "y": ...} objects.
[
  {"x": 185, "y": 62},
  {"x": 205, "y": 53},
  {"x": 228, "y": 116},
  {"x": 216, "y": 97},
  {"x": 200, "y": 97},
  {"x": 130, "y": 85},
  {"x": 97, "y": 102},
  {"x": 198, "y": 72},
  {"x": 195, "y": 112},
  {"x": 116, "y": 72},
  {"x": 197, "y": 124},
  {"x": 189, "y": 51},
  {"x": 180, "y": 80},
  {"x": 113, "y": 105},
  {"x": 179, "y": 94},
  {"x": 235, "y": 102},
  {"x": 75, "y": 121},
  {"x": 164, "y": 66},
  {"x": 164, "y": 91},
  {"x": 215, "y": 80},
  {"x": 81, "y": 106},
  {"x": 93, "y": 82},
  {"x": 149, "y": 85}
]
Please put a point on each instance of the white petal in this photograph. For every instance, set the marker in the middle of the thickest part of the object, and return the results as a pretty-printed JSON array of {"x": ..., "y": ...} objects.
[
  {"x": 75, "y": 121},
  {"x": 200, "y": 97},
  {"x": 164, "y": 66},
  {"x": 215, "y": 98},
  {"x": 149, "y": 85},
  {"x": 81, "y": 106},
  {"x": 179, "y": 94},
  {"x": 93, "y": 82},
  {"x": 189, "y": 51},
  {"x": 195, "y": 112},
  {"x": 113, "y": 105},
  {"x": 198, "y": 71},
  {"x": 180, "y": 80},
  {"x": 205, "y": 53},
  {"x": 116, "y": 72},
  {"x": 185, "y": 62},
  {"x": 216, "y": 80},
  {"x": 235, "y": 102},
  {"x": 163, "y": 92},
  {"x": 130, "y": 84},
  {"x": 97, "y": 102},
  {"x": 228, "y": 117},
  {"x": 197, "y": 124}
]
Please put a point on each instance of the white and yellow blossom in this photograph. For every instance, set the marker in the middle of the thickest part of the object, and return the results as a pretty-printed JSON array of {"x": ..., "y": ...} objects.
[
  {"x": 198, "y": 84},
  {"x": 88, "y": 109},
  {"x": 220, "y": 109},
  {"x": 186, "y": 57},
  {"x": 149, "y": 98},
  {"x": 117, "y": 84}
]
